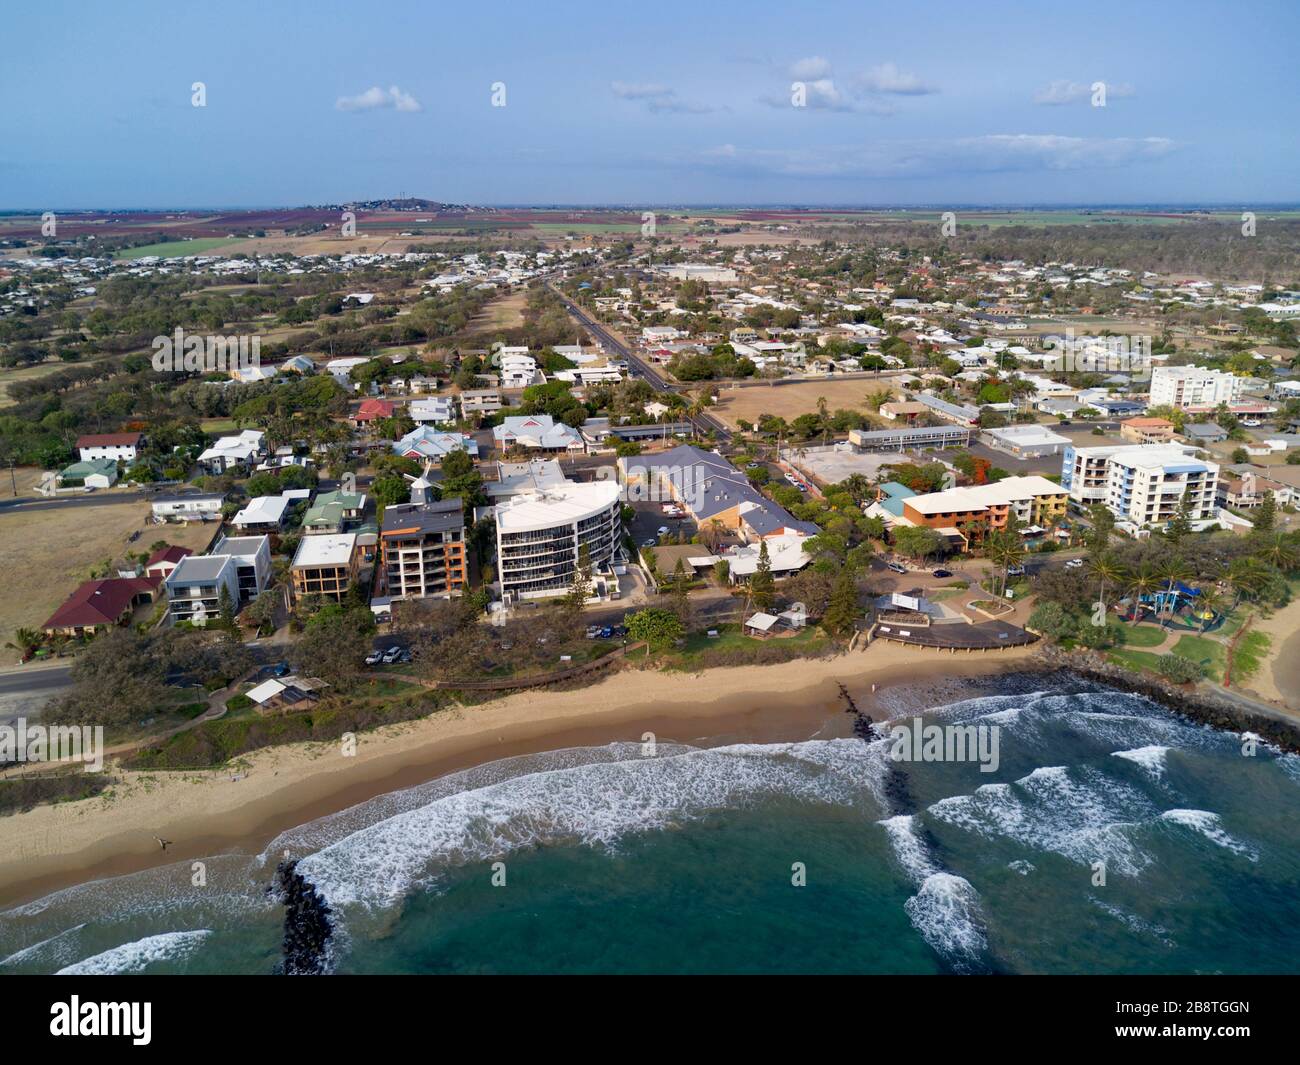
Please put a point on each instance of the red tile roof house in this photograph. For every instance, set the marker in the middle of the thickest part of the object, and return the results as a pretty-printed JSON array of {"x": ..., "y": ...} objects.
[
  {"x": 164, "y": 560},
  {"x": 110, "y": 446},
  {"x": 99, "y": 604},
  {"x": 372, "y": 410}
]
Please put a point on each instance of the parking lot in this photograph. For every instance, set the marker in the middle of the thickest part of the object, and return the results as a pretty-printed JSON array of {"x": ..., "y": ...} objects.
[{"x": 650, "y": 518}]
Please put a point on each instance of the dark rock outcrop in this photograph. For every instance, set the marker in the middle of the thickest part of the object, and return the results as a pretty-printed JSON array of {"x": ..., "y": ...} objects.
[{"x": 308, "y": 927}]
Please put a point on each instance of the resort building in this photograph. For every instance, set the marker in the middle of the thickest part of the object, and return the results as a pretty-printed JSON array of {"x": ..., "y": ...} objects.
[
  {"x": 541, "y": 534},
  {"x": 325, "y": 565},
  {"x": 1188, "y": 387},
  {"x": 1143, "y": 484},
  {"x": 422, "y": 550},
  {"x": 966, "y": 515},
  {"x": 712, "y": 490}
]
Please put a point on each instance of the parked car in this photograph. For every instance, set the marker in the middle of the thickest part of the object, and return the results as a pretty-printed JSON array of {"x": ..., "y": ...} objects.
[
  {"x": 1015, "y": 571},
  {"x": 593, "y": 631},
  {"x": 663, "y": 530},
  {"x": 650, "y": 543},
  {"x": 943, "y": 573},
  {"x": 606, "y": 633},
  {"x": 1074, "y": 563},
  {"x": 897, "y": 567},
  {"x": 374, "y": 658},
  {"x": 392, "y": 655}
]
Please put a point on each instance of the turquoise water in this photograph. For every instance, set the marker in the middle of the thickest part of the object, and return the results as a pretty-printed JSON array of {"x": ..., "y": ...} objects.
[{"x": 684, "y": 861}]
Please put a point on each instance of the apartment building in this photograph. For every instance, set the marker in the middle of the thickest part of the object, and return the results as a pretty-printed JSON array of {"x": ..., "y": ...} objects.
[
  {"x": 240, "y": 565},
  {"x": 541, "y": 534},
  {"x": 325, "y": 565},
  {"x": 1141, "y": 484},
  {"x": 422, "y": 550},
  {"x": 252, "y": 555},
  {"x": 1190, "y": 387},
  {"x": 966, "y": 515}
]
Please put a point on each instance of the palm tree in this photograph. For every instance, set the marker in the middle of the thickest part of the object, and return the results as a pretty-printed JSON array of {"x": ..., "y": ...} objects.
[
  {"x": 1141, "y": 581},
  {"x": 26, "y": 641},
  {"x": 1004, "y": 550},
  {"x": 1108, "y": 570},
  {"x": 1171, "y": 571},
  {"x": 1247, "y": 577},
  {"x": 1279, "y": 550},
  {"x": 1211, "y": 603}
]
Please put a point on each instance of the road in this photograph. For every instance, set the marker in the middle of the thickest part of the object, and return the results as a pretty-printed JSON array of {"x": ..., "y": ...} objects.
[
  {"x": 610, "y": 343},
  {"x": 24, "y": 690}
]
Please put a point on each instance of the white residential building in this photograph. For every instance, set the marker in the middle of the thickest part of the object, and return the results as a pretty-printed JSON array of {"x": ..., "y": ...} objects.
[
  {"x": 540, "y": 535},
  {"x": 440, "y": 410},
  {"x": 1188, "y": 387},
  {"x": 539, "y": 432},
  {"x": 1142, "y": 484},
  {"x": 230, "y": 451}
]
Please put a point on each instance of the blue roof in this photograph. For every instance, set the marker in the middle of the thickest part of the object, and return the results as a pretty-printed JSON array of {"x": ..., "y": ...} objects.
[{"x": 895, "y": 490}]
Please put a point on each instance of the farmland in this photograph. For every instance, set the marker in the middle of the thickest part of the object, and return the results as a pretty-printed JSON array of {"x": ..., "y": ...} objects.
[{"x": 175, "y": 249}]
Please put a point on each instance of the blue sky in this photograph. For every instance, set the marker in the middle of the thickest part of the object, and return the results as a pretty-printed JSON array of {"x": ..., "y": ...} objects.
[{"x": 663, "y": 103}]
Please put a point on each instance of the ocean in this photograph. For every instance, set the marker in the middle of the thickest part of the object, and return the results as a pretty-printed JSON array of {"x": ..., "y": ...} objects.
[{"x": 1113, "y": 837}]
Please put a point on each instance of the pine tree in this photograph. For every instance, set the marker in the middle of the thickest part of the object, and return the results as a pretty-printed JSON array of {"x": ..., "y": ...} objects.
[
  {"x": 842, "y": 611},
  {"x": 681, "y": 594},
  {"x": 762, "y": 586},
  {"x": 1267, "y": 515}
]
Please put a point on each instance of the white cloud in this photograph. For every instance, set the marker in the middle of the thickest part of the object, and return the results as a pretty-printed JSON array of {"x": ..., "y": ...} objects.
[
  {"x": 374, "y": 99},
  {"x": 995, "y": 153},
  {"x": 809, "y": 69},
  {"x": 1062, "y": 91},
  {"x": 887, "y": 78},
  {"x": 659, "y": 99}
]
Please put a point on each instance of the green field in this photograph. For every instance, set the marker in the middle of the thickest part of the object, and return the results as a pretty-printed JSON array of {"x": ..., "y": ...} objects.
[
  {"x": 1210, "y": 653},
  {"x": 174, "y": 249}
]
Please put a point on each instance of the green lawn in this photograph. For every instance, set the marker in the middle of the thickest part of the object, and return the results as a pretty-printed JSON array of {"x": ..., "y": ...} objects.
[
  {"x": 174, "y": 249},
  {"x": 1143, "y": 635},
  {"x": 1212, "y": 654},
  {"x": 1249, "y": 655},
  {"x": 1138, "y": 660}
]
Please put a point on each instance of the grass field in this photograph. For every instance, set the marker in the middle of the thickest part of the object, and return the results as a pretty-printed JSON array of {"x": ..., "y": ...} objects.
[
  {"x": 175, "y": 249},
  {"x": 45, "y": 553},
  {"x": 1143, "y": 635},
  {"x": 789, "y": 401},
  {"x": 1212, "y": 654},
  {"x": 11, "y": 375}
]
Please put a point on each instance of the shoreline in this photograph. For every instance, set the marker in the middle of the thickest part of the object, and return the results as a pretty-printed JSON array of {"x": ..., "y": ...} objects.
[{"x": 208, "y": 812}]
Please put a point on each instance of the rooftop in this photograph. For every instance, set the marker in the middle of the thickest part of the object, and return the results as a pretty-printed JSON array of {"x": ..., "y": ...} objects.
[{"x": 328, "y": 550}]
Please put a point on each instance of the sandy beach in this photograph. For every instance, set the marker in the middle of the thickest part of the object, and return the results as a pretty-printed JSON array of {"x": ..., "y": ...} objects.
[{"x": 243, "y": 808}]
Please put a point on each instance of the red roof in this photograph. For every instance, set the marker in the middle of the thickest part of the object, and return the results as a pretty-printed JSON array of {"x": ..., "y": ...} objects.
[
  {"x": 109, "y": 439},
  {"x": 99, "y": 602},
  {"x": 375, "y": 408},
  {"x": 171, "y": 553}
]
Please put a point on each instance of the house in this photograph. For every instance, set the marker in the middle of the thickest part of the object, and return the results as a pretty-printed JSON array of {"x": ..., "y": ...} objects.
[
  {"x": 334, "y": 512},
  {"x": 195, "y": 507},
  {"x": 907, "y": 410},
  {"x": 761, "y": 626},
  {"x": 785, "y": 555},
  {"x": 479, "y": 401},
  {"x": 438, "y": 410},
  {"x": 120, "y": 447},
  {"x": 164, "y": 560},
  {"x": 298, "y": 364},
  {"x": 957, "y": 413},
  {"x": 284, "y": 694},
  {"x": 198, "y": 586},
  {"x": 341, "y": 370},
  {"x": 1203, "y": 433},
  {"x": 423, "y": 442},
  {"x": 372, "y": 410},
  {"x": 252, "y": 557},
  {"x": 518, "y": 368},
  {"x": 325, "y": 565},
  {"x": 538, "y": 432},
  {"x": 1244, "y": 488},
  {"x": 1147, "y": 430},
  {"x": 243, "y": 450},
  {"x": 263, "y": 514},
  {"x": 92, "y": 473},
  {"x": 99, "y": 604}
]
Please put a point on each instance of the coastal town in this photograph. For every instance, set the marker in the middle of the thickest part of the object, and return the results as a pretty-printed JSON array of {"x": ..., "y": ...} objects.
[{"x": 723, "y": 452}]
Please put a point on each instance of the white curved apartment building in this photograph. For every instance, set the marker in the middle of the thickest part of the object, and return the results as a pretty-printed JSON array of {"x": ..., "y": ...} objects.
[{"x": 539, "y": 535}]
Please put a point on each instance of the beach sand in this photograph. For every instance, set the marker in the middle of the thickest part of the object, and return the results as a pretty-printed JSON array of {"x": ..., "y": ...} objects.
[{"x": 242, "y": 809}]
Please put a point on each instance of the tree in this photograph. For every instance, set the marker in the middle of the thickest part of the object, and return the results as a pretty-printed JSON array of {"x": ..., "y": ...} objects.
[
  {"x": 1103, "y": 523},
  {"x": 917, "y": 541},
  {"x": 842, "y": 612},
  {"x": 658, "y": 628},
  {"x": 1141, "y": 581},
  {"x": 681, "y": 594},
  {"x": 1004, "y": 549},
  {"x": 335, "y": 643},
  {"x": 391, "y": 489},
  {"x": 762, "y": 585},
  {"x": 1180, "y": 525},
  {"x": 226, "y": 609},
  {"x": 1051, "y": 620},
  {"x": 26, "y": 641},
  {"x": 575, "y": 600},
  {"x": 261, "y": 611},
  {"x": 1108, "y": 571},
  {"x": 1178, "y": 669},
  {"x": 1266, "y": 516}
]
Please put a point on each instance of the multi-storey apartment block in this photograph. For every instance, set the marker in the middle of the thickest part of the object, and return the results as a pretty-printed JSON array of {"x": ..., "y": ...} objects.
[
  {"x": 966, "y": 515},
  {"x": 325, "y": 565},
  {"x": 1142, "y": 484},
  {"x": 1193, "y": 387},
  {"x": 422, "y": 550},
  {"x": 540, "y": 536}
]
